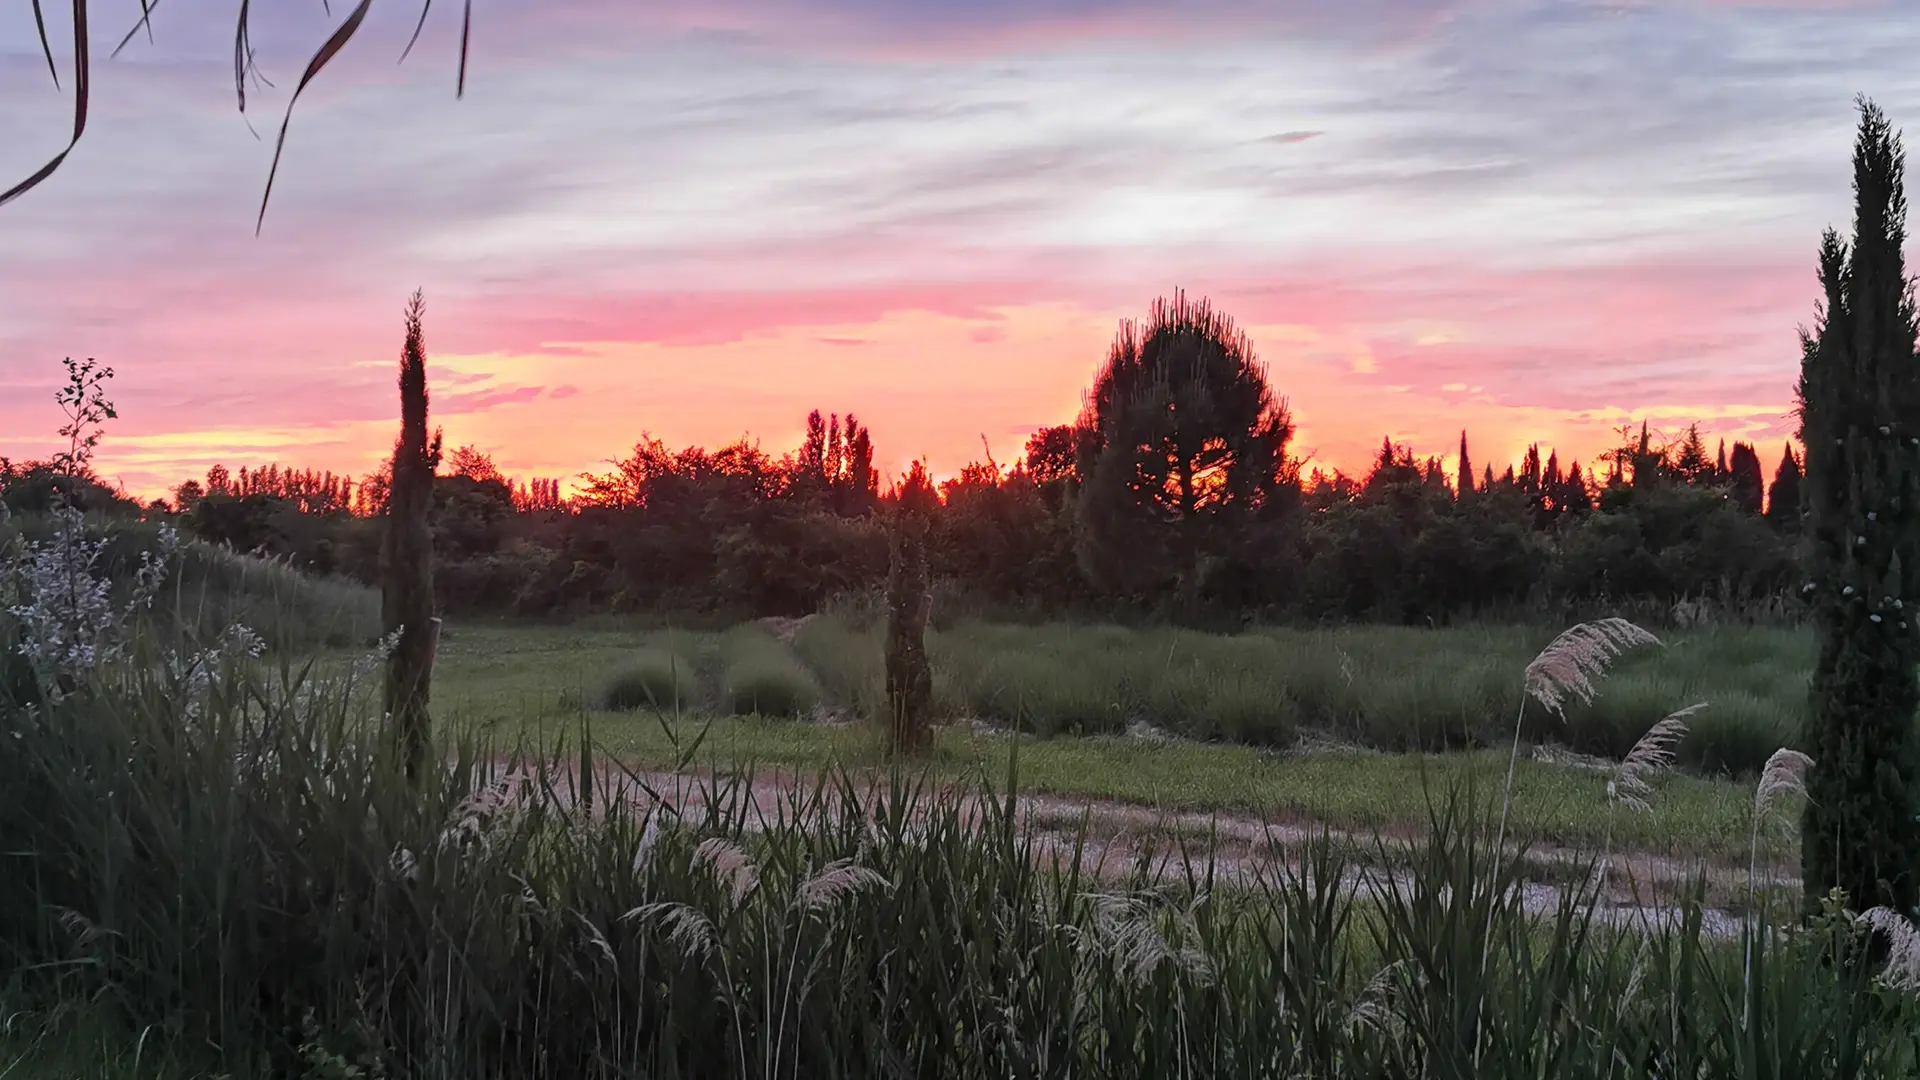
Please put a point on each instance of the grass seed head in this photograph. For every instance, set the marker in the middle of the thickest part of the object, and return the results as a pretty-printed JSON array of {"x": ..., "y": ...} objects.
[
  {"x": 730, "y": 864},
  {"x": 1651, "y": 755},
  {"x": 1573, "y": 663},
  {"x": 1785, "y": 774},
  {"x": 1903, "y": 956},
  {"x": 689, "y": 930},
  {"x": 834, "y": 883}
]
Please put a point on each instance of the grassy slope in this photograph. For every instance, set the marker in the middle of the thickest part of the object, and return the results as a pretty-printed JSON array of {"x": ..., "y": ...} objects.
[{"x": 506, "y": 683}]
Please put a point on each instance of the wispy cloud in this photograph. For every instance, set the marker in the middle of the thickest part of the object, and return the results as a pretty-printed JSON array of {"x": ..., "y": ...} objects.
[{"x": 683, "y": 216}]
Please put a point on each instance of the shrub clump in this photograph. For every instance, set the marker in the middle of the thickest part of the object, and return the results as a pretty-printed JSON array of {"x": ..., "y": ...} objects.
[
  {"x": 654, "y": 679},
  {"x": 763, "y": 678}
]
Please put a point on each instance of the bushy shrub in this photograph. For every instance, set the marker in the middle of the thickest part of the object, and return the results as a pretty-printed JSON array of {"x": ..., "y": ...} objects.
[
  {"x": 654, "y": 678},
  {"x": 762, "y": 677},
  {"x": 846, "y": 656}
]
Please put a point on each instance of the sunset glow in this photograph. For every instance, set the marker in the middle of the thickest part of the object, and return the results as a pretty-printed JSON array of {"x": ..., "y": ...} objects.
[{"x": 1534, "y": 220}]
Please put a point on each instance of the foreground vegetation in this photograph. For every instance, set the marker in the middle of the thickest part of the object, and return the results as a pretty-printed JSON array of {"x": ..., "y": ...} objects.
[{"x": 234, "y": 876}]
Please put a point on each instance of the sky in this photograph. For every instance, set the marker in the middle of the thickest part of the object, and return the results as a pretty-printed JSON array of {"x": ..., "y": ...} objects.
[{"x": 1535, "y": 220}]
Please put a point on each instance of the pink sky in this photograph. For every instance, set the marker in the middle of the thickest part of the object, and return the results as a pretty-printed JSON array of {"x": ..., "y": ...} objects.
[{"x": 1537, "y": 220}]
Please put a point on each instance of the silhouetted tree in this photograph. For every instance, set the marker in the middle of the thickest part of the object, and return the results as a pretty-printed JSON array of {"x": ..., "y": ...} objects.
[
  {"x": 860, "y": 484},
  {"x": 474, "y": 464},
  {"x": 1646, "y": 463},
  {"x": 1570, "y": 495},
  {"x": 1050, "y": 454},
  {"x": 1466, "y": 469},
  {"x": 1393, "y": 466},
  {"x": 810, "y": 468},
  {"x": 1746, "y": 483},
  {"x": 1691, "y": 460},
  {"x": 1530, "y": 470},
  {"x": 406, "y": 554},
  {"x": 1182, "y": 443},
  {"x": 188, "y": 495},
  {"x": 1784, "y": 499},
  {"x": 1859, "y": 399}
]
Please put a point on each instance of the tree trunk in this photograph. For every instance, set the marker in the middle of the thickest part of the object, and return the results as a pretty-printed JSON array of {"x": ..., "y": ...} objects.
[{"x": 909, "y": 674}]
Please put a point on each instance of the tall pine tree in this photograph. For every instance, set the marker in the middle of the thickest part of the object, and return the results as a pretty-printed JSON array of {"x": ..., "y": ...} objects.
[
  {"x": 1860, "y": 421},
  {"x": 1691, "y": 460},
  {"x": 1182, "y": 445},
  {"x": 1466, "y": 468}
]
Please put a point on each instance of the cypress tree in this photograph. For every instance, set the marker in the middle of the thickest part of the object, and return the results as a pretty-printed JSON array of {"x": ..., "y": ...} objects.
[
  {"x": 1746, "y": 484},
  {"x": 406, "y": 555},
  {"x": 1466, "y": 468},
  {"x": 1783, "y": 499},
  {"x": 1859, "y": 399},
  {"x": 909, "y": 673},
  {"x": 862, "y": 483}
]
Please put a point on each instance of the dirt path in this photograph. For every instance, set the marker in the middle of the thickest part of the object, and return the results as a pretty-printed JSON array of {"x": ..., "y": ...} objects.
[{"x": 1640, "y": 886}]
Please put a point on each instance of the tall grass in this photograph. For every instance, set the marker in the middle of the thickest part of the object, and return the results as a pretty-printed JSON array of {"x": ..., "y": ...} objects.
[
  {"x": 234, "y": 874},
  {"x": 211, "y": 588},
  {"x": 1393, "y": 688},
  {"x": 762, "y": 677}
]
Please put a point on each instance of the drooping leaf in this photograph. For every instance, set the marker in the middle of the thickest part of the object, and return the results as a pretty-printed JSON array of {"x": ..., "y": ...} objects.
[
  {"x": 321, "y": 58},
  {"x": 81, "y": 68},
  {"x": 46, "y": 48}
]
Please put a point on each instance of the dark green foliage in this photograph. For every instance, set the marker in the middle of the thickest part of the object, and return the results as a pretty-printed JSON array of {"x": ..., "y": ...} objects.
[
  {"x": 733, "y": 533},
  {"x": 1746, "y": 484},
  {"x": 1690, "y": 460},
  {"x": 1051, "y": 454},
  {"x": 1402, "y": 550},
  {"x": 1182, "y": 447},
  {"x": 406, "y": 554},
  {"x": 1859, "y": 400},
  {"x": 655, "y": 679},
  {"x": 834, "y": 467},
  {"x": 1671, "y": 541},
  {"x": 1784, "y": 498},
  {"x": 34, "y": 487},
  {"x": 909, "y": 678}
]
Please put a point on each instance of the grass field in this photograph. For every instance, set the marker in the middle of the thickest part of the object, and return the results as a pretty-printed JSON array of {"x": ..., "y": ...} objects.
[
  {"x": 1361, "y": 687},
  {"x": 230, "y": 875}
]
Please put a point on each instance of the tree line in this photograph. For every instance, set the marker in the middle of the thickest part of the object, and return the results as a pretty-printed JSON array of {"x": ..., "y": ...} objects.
[{"x": 1174, "y": 494}]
